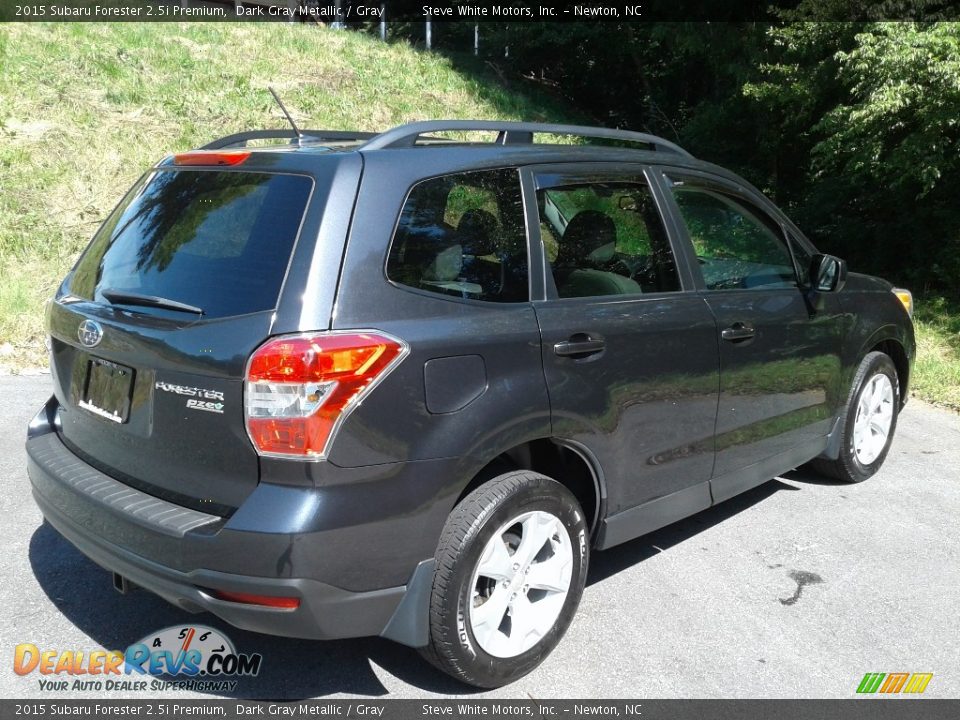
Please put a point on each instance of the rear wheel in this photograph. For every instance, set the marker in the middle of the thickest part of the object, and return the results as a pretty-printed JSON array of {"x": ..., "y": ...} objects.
[
  {"x": 511, "y": 566},
  {"x": 867, "y": 423}
]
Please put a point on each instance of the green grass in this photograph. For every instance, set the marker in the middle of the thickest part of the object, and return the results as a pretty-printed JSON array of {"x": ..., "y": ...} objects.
[
  {"x": 85, "y": 109},
  {"x": 937, "y": 372}
]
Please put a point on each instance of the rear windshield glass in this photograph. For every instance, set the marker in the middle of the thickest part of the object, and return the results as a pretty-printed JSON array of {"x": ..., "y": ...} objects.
[{"x": 218, "y": 241}]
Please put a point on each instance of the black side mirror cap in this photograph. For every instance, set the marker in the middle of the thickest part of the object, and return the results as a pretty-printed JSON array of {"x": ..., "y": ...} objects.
[{"x": 827, "y": 273}]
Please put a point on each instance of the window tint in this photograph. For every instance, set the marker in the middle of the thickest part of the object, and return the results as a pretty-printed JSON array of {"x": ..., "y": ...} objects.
[
  {"x": 216, "y": 240},
  {"x": 605, "y": 239},
  {"x": 737, "y": 245},
  {"x": 463, "y": 235}
]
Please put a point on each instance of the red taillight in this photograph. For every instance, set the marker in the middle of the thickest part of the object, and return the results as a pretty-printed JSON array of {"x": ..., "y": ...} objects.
[
  {"x": 284, "y": 603},
  {"x": 300, "y": 388},
  {"x": 211, "y": 157}
]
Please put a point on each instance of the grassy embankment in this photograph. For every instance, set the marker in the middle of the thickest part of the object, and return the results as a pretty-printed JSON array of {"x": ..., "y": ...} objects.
[
  {"x": 937, "y": 373},
  {"x": 84, "y": 109}
]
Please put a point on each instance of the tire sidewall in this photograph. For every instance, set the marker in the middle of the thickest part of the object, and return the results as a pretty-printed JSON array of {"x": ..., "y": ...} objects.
[
  {"x": 874, "y": 364},
  {"x": 489, "y": 670}
]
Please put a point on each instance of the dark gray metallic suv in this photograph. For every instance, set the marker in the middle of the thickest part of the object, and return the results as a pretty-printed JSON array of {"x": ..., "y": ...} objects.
[{"x": 403, "y": 385}]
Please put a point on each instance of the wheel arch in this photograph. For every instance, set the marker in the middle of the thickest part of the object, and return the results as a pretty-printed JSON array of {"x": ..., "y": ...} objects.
[
  {"x": 895, "y": 351},
  {"x": 888, "y": 340},
  {"x": 568, "y": 462}
]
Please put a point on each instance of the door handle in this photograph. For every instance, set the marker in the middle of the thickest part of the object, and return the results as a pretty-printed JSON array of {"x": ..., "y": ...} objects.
[
  {"x": 579, "y": 345},
  {"x": 738, "y": 332}
]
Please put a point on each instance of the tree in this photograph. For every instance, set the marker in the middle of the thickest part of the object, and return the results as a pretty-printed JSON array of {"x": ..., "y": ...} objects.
[{"x": 875, "y": 109}]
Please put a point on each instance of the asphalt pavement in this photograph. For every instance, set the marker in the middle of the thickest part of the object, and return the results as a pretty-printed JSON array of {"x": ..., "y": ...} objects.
[{"x": 794, "y": 589}]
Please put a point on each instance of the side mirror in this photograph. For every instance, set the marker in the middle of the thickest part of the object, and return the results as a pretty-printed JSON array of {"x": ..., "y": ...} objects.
[{"x": 827, "y": 273}]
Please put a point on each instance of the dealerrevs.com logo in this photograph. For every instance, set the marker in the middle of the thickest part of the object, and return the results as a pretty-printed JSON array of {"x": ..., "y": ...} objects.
[{"x": 193, "y": 657}]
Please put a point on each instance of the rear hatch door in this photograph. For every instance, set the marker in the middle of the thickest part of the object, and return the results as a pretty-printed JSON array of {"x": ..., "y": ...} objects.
[{"x": 151, "y": 332}]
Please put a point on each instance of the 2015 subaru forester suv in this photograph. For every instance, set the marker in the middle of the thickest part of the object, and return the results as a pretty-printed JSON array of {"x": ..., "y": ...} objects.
[{"x": 405, "y": 384}]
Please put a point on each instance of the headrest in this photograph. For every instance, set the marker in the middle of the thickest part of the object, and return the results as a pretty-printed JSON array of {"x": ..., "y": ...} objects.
[
  {"x": 446, "y": 265},
  {"x": 590, "y": 235},
  {"x": 477, "y": 232},
  {"x": 432, "y": 253}
]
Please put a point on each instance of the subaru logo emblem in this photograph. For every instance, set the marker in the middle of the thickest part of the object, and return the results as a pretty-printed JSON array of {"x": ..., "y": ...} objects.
[{"x": 90, "y": 333}]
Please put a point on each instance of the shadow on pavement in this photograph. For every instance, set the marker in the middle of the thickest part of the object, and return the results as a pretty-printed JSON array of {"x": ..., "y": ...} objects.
[
  {"x": 810, "y": 477},
  {"x": 292, "y": 669},
  {"x": 610, "y": 562}
]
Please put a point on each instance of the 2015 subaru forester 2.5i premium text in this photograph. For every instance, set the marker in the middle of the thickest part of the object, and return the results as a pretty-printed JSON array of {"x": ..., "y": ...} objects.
[{"x": 403, "y": 385}]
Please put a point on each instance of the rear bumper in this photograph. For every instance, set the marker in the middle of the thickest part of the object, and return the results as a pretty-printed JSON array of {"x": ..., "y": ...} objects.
[
  {"x": 185, "y": 556},
  {"x": 325, "y": 612}
]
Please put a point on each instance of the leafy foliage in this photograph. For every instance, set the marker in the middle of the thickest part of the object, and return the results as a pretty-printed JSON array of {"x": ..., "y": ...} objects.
[
  {"x": 875, "y": 108},
  {"x": 901, "y": 125}
]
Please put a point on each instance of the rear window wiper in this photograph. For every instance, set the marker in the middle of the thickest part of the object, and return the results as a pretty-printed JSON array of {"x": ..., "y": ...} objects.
[{"x": 124, "y": 297}]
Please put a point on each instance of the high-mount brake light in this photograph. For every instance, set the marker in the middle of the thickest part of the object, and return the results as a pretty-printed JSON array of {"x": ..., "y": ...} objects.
[
  {"x": 207, "y": 157},
  {"x": 300, "y": 388}
]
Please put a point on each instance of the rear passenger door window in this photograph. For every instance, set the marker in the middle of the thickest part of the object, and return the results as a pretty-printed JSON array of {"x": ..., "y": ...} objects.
[
  {"x": 463, "y": 235},
  {"x": 605, "y": 238},
  {"x": 738, "y": 246}
]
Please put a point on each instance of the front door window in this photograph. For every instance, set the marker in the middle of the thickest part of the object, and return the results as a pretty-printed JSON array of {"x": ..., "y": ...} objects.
[{"x": 737, "y": 245}]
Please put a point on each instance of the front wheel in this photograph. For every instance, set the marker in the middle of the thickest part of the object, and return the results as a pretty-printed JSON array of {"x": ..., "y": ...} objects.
[
  {"x": 868, "y": 421},
  {"x": 511, "y": 566}
]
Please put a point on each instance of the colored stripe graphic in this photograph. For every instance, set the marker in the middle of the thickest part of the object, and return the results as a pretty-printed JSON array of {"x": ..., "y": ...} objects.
[
  {"x": 894, "y": 682},
  {"x": 918, "y": 683},
  {"x": 870, "y": 682}
]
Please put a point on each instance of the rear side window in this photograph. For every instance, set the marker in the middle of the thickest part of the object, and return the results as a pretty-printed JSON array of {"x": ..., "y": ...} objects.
[
  {"x": 463, "y": 235},
  {"x": 219, "y": 241}
]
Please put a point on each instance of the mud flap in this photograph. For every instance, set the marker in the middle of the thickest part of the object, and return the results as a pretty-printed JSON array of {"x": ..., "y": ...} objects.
[{"x": 410, "y": 623}]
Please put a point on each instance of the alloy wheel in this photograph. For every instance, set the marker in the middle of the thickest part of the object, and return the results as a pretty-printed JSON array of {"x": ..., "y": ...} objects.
[
  {"x": 874, "y": 418},
  {"x": 520, "y": 584}
]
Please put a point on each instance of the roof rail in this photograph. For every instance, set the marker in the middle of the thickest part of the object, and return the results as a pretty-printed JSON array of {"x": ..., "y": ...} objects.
[
  {"x": 240, "y": 139},
  {"x": 513, "y": 133}
]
